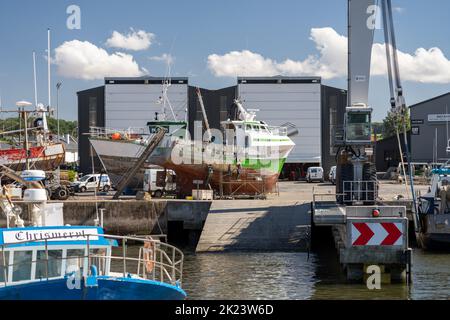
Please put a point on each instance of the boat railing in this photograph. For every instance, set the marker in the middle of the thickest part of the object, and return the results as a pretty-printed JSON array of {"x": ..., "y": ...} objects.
[
  {"x": 143, "y": 258},
  {"x": 132, "y": 133}
]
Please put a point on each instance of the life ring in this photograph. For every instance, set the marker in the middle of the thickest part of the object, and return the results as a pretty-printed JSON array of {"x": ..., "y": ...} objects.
[
  {"x": 116, "y": 136},
  {"x": 149, "y": 254}
]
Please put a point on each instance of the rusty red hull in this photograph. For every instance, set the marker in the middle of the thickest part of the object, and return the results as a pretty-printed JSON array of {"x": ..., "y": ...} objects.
[
  {"x": 45, "y": 158},
  {"x": 226, "y": 183}
]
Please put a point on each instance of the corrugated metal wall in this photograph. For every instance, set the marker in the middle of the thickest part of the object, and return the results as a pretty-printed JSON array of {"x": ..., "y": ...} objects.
[
  {"x": 133, "y": 105},
  {"x": 429, "y": 134},
  {"x": 294, "y": 100}
]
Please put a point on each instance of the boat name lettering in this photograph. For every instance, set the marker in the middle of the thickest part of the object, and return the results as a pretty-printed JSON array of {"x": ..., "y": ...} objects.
[{"x": 50, "y": 235}]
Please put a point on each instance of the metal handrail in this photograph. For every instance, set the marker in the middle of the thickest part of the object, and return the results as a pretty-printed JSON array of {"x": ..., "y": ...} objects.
[
  {"x": 100, "y": 132},
  {"x": 322, "y": 194},
  {"x": 171, "y": 268},
  {"x": 359, "y": 193}
]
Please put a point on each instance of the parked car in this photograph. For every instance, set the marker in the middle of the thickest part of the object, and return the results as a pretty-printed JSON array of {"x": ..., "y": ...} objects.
[
  {"x": 90, "y": 182},
  {"x": 314, "y": 174},
  {"x": 332, "y": 175}
]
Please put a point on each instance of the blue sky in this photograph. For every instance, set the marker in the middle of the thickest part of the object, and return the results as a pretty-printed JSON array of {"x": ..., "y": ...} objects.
[{"x": 191, "y": 31}]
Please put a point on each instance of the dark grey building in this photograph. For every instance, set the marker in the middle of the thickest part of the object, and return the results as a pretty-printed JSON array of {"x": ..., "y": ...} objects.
[
  {"x": 333, "y": 102},
  {"x": 218, "y": 104},
  {"x": 387, "y": 153},
  {"x": 91, "y": 113},
  {"x": 430, "y": 130}
]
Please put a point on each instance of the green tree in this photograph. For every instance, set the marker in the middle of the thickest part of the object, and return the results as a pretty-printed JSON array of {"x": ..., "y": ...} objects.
[
  {"x": 378, "y": 128},
  {"x": 65, "y": 126},
  {"x": 393, "y": 121}
]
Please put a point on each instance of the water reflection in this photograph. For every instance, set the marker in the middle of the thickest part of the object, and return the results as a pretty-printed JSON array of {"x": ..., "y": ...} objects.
[
  {"x": 292, "y": 276},
  {"x": 268, "y": 276},
  {"x": 248, "y": 276}
]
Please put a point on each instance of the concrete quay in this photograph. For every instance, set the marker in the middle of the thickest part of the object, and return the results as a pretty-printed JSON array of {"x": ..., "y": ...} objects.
[{"x": 175, "y": 218}]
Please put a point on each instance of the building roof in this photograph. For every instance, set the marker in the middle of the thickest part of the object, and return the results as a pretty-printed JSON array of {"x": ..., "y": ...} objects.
[
  {"x": 144, "y": 80},
  {"x": 90, "y": 89},
  {"x": 426, "y": 101},
  {"x": 279, "y": 79}
]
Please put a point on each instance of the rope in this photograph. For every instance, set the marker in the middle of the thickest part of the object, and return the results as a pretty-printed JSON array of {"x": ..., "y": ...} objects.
[
  {"x": 401, "y": 156},
  {"x": 95, "y": 190}
]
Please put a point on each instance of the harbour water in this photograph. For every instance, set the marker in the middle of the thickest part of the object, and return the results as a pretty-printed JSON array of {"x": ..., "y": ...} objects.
[{"x": 294, "y": 276}]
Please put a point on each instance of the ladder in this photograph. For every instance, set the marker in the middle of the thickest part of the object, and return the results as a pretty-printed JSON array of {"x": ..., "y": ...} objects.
[{"x": 154, "y": 142}]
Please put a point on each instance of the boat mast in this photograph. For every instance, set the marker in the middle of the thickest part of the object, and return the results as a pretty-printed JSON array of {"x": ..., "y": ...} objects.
[
  {"x": 27, "y": 151},
  {"x": 205, "y": 117},
  {"x": 23, "y": 114},
  {"x": 1, "y": 112},
  {"x": 244, "y": 114},
  {"x": 44, "y": 115},
  {"x": 48, "y": 69},
  {"x": 35, "y": 80}
]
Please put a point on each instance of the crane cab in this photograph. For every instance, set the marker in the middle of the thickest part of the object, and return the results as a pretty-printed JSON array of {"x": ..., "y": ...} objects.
[{"x": 358, "y": 124}]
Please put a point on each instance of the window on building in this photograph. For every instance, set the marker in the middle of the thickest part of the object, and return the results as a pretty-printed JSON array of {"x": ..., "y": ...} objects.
[
  {"x": 92, "y": 111},
  {"x": 223, "y": 108}
]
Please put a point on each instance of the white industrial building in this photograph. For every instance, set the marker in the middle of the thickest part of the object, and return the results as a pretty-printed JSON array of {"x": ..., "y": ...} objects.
[
  {"x": 131, "y": 102},
  {"x": 285, "y": 100}
]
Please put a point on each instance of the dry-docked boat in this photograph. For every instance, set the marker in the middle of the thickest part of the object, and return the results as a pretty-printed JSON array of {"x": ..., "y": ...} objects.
[
  {"x": 245, "y": 157},
  {"x": 37, "y": 151}
]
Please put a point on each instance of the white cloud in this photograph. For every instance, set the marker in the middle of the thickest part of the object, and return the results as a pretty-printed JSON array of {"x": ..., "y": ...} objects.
[
  {"x": 165, "y": 57},
  {"x": 134, "y": 40},
  {"x": 427, "y": 66},
  {"x": 83, "y": 60},
  {"x": 241, "y": 63}
]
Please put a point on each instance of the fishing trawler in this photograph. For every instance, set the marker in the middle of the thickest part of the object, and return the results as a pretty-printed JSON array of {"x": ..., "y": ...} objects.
[
  {"x": 41, "y": 153},
  {"x": 48, "y": 260},
  {"x": 246, "y": 159},
  {"x": 37, "y": 151}
]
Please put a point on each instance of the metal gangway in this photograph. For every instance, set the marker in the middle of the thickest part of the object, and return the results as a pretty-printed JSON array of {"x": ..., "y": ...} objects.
[{"x": 153, "y": 143}]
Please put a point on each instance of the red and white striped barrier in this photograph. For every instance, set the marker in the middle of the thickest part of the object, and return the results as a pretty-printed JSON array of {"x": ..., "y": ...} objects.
[{"x": 377, "y": 233}]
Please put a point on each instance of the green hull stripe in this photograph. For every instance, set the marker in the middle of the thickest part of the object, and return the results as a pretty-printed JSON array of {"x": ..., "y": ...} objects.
[{"x": 271, "y": 165}]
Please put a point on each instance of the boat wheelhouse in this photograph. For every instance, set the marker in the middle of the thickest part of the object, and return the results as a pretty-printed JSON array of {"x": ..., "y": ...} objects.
[{"x": 81, "y": 262}]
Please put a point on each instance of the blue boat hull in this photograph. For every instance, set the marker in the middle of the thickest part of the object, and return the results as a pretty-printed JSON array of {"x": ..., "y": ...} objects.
[{"x": 106, "y": 288}]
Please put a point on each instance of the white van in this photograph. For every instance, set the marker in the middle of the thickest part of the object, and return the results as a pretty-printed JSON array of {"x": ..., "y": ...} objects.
[
  {"x": 314, "y": 174},
  {"x": 159, "y": 182},
  {"x": 332, "y": 175},
  {"x": 90, "y": 182}
]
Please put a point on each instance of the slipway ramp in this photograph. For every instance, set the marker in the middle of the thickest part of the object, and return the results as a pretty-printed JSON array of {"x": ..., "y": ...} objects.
[{"x": 255, "y": 225}]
